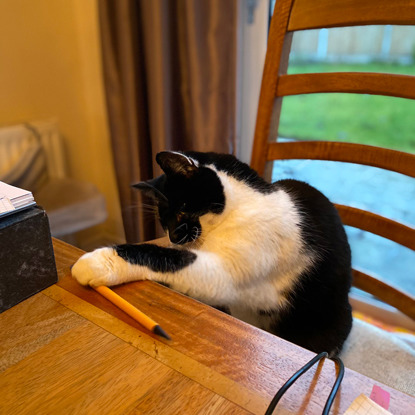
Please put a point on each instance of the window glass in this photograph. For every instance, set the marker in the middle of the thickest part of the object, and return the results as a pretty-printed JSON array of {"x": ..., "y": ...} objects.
[
  {"x": 383, "y": 192},
  {"x": 366, "y": 119}
]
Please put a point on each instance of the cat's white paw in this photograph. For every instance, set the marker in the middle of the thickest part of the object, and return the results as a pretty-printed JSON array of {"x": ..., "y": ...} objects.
[{"x": 100, "y": 267}]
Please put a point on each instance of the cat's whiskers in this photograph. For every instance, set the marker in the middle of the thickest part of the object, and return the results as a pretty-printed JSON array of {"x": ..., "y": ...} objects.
[
  {"x": 222, "y": 205},
  {"x": 149, "y": 212},
  {"x": 144, "y": 207},
  {"x": 180, "y": 226},
  {"x": 182, "y": 240},
  {"x": 149, "y": 208},
  {"x": 196, "y": 232}
]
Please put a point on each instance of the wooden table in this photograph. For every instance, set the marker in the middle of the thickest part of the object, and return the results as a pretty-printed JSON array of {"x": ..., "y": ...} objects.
[{"x": 67, "y": 350}]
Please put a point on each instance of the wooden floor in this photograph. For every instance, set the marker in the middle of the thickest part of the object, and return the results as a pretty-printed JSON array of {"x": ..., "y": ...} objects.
[{"x": 67, "y": 350}]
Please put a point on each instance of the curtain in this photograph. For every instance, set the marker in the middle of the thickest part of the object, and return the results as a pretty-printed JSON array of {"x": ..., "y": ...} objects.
[{"x": 170, "y": 81}]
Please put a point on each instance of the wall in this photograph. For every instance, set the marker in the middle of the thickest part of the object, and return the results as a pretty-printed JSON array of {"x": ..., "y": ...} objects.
[{"x": 50, "y": 67}]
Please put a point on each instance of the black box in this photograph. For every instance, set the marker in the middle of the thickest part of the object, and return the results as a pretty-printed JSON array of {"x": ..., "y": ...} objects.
[{"x": 27, "y": 263}]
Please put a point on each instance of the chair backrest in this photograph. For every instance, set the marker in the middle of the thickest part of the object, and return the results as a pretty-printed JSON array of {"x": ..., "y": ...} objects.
[
  {"x": 22, "y": 160},
  {"x": 31, "y": 154},
  {"x": 290, "y": 16}
]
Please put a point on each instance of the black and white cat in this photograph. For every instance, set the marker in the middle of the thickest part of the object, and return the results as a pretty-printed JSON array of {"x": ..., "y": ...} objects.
[{"x": 274, "y": 255}]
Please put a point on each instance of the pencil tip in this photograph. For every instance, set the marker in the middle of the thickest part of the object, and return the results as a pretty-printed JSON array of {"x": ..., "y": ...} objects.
[{"x": 158, "y": 330}]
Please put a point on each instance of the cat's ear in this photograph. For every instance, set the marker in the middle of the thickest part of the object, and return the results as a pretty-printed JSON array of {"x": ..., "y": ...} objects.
[
  {"x": 152, "y": 188},
  {"x": 176, "y": 163}
]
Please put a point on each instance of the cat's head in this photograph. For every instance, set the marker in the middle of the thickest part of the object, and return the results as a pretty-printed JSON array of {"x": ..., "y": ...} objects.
[{"x": 185, "y": 192}]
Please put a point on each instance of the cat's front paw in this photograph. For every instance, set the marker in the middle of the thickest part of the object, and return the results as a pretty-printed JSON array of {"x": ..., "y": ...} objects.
[{"x": 100, "y": 267}]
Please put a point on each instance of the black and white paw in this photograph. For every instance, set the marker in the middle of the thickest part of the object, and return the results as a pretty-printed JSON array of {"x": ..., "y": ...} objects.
[{"x": 100, "y": 267}]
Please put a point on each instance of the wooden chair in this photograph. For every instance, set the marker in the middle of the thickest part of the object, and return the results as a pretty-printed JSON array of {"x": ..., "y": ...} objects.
[
  {"x": 290, "y": 16},
  {"x": 32, "y": 156}
]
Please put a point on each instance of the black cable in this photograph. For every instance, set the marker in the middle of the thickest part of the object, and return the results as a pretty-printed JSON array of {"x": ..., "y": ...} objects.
[
  {"x": 336, "y": 386},
  {"x": 299, "y": 373},
  {"x": 291, "y": 380}
]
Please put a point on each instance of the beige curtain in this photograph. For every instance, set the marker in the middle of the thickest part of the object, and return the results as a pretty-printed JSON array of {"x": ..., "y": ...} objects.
[{"x": 170, "y": 78}]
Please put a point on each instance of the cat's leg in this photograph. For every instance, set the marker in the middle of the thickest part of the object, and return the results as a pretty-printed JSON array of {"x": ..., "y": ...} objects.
[{"x": 199, "y": 274}]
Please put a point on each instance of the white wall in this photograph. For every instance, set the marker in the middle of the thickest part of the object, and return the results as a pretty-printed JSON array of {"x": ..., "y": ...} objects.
[{"x": 51, "y": 68}]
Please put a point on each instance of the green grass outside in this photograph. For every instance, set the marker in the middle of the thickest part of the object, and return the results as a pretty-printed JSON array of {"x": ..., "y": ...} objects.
[{"x": 367, "y": 119}]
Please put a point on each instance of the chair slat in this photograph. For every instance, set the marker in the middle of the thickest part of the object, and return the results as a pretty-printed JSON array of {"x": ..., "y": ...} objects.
[
  {"x": 281, "y": 43},
  {"x": 402, "y": 86},
  {"x": 386, "y": 292},
  {"x": 378, "y": 225},
  {"x": 316, "y": 14},
  {"x": 392, "y": 160}
]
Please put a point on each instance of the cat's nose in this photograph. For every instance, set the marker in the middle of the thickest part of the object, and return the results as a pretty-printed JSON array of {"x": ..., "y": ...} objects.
[
  {"x": 179, "y": 235},
  {"x": 178, "y": 238}
]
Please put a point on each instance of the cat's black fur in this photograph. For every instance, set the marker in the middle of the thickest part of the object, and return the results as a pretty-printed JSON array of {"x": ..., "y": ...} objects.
[{"x": 320, "y": 318}]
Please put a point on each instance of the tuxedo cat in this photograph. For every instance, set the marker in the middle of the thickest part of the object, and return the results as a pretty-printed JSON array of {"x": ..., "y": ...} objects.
[{"x": 275, "y": 255}]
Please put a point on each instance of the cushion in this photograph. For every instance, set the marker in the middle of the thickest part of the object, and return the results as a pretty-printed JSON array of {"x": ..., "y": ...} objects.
[{"x": 384, "y": 356}]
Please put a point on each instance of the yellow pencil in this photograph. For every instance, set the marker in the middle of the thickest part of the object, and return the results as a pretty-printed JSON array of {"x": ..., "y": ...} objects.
[{"x": 132, "y": 311}]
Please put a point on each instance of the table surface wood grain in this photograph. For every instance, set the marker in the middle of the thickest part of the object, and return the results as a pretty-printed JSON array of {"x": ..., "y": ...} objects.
[{"x": 67, "y": 350}]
